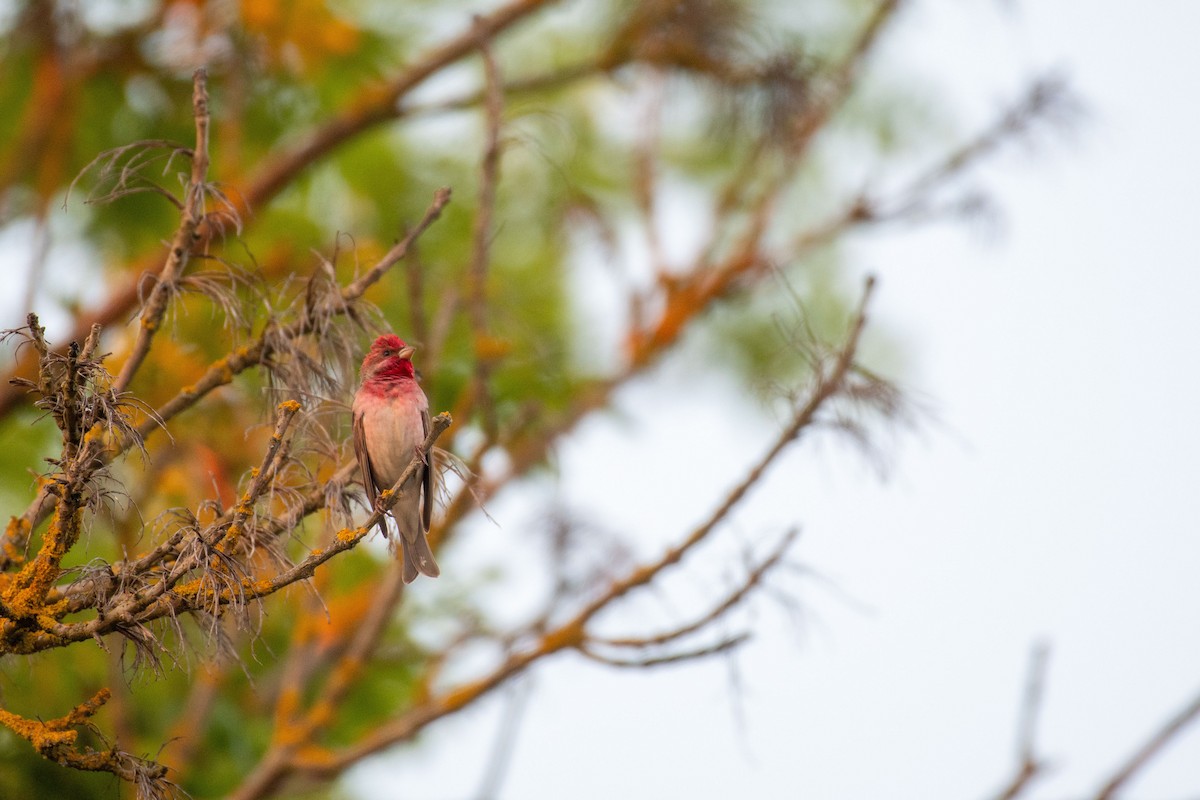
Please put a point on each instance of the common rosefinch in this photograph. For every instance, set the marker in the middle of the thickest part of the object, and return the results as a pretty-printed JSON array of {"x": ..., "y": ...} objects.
[{"x": 391, "y": 421}]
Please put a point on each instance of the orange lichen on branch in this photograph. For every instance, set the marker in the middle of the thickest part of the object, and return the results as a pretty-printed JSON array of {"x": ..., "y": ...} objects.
[
  {"x": 312, "y": 756},
  {"x": 324, "y": 711},
  {"x": 45, "y": 126},
  {"x": 202, "y": 593},
  {"x": 303, "y": 35},
  {"x": 460, "y": 696},
  {"x": 686, "y": 298},
  {"x": 343, "y": 614},
  {"x": 287, "y": 709},
  {"x": 96, "y": 434},
  {"x": 491, "y": 348},
  {"x": 261, "y": 478},
  {"x": 36, "y": 732},
  {"x": 25, "y": 596},
  {"x": 16, "y": 537},
  {"x": 55, "y": 740},
  {"x": 48, "y": 737},
  {"x": 569, "y": 635},
  {"x": 188, "y": 589}
]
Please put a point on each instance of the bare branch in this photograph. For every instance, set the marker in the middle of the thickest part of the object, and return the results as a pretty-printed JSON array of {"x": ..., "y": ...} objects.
[
  {"x": 719, "y": 610},
  {"x": 828, "y": 381},
  {"x": 185, "y": 239},
  {"x": 677, "y": 657},
  {"x": 477, "y": 302},
  {"x": 1145, "y": 754},
  {"x": 1047, "y": 101},
  {"x": 505, "y": 741},
  {"x": 356, "y": 288},
  {"x": 380, "y": 104},
  {"x": 281, "y": 758},
  {"x": 1029, "y": 765}
]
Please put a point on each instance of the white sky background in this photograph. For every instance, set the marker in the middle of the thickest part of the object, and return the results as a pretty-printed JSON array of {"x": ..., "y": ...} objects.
[{"x": 1054, "y": 499}]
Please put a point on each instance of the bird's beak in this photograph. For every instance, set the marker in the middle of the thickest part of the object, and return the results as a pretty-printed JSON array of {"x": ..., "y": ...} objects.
[{"x": 406, "y": 353}]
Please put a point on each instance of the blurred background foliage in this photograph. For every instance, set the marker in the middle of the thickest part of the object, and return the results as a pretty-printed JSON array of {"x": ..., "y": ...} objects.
[{"x": 77, "y": 79}]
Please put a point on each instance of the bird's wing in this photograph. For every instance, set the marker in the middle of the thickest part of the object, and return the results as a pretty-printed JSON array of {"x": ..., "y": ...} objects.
[
  {"x": 364, "y": 460},
  {"x": 427, "y": 479}
]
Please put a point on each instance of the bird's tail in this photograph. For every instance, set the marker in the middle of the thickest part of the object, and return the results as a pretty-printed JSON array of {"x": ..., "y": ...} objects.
[
  {"x": 415, "y": 552},
  {"x": 418, "y": 557}
]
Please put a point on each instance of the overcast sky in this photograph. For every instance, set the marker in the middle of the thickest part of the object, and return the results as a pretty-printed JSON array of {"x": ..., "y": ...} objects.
[{"x": 1053, "y": 498}]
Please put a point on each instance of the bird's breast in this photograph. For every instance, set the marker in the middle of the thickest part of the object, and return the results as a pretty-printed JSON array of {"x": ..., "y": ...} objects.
[{"x": 393, "y": 429}]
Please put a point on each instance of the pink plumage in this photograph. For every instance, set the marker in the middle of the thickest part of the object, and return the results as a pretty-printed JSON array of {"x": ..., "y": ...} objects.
[{"x": 391, "y": 421}]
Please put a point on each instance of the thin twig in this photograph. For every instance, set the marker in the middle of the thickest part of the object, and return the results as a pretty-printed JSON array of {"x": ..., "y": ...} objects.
[
  {"x": 222, "y": 371},
  {"x": 131, "y": 610},
  {"x": 1035, "y": 686},
  {"x": 1043, "y": 101},
  {"x": 828, "y": 382},
  {"x": 414, "y": 273},
  {"x": 282, "y": 757},
  {"x": 182, "y": 243},
  {"x": 645, "y": 167},
  {"x": 1029, "y": 766},
  {"x": 572, "y": 633},
  {"x": 56, "y": 740},
  {"x": 505, "y": 741},
  {"x": 676, "y": 657},
  {"x": 477, "y": 301},
  {"x": 381, "y": 104},
  {"x": 1145, "y": 754},
  {"x": 370, "y": 107},
  {"x": 718, "y": 610}
]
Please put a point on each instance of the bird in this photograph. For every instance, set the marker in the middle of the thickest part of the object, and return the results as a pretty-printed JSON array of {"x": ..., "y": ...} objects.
[{"x": 391, "y": 421}]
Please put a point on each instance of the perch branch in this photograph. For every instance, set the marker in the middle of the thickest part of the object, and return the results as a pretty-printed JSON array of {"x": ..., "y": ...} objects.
[
  {"x": 572, "y": 634},
  {"x": 223, "y": 370}
]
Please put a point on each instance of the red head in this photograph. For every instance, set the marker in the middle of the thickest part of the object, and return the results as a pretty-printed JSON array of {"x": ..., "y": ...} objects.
[{"x": 389, "y": 359}]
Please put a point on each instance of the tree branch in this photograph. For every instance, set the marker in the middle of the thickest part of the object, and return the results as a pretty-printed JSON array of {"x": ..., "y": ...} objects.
[
  {"x": 1029, "y": 765},
  {"x": 222, "y": 371},
  {"x": 372, "y": 106},
  {"x": 186, "y": 237},
  {"x": 56, "y": 740},
  {"x": 1153, "y": 746},
  {"x": 477, "y": 303},
  {"x": 572, "y": 633},
  {"x": 379, "y": 104}
]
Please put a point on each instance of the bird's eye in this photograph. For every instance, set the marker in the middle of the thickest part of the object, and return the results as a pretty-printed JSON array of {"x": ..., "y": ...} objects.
[{"x": 386, "y": 352}]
